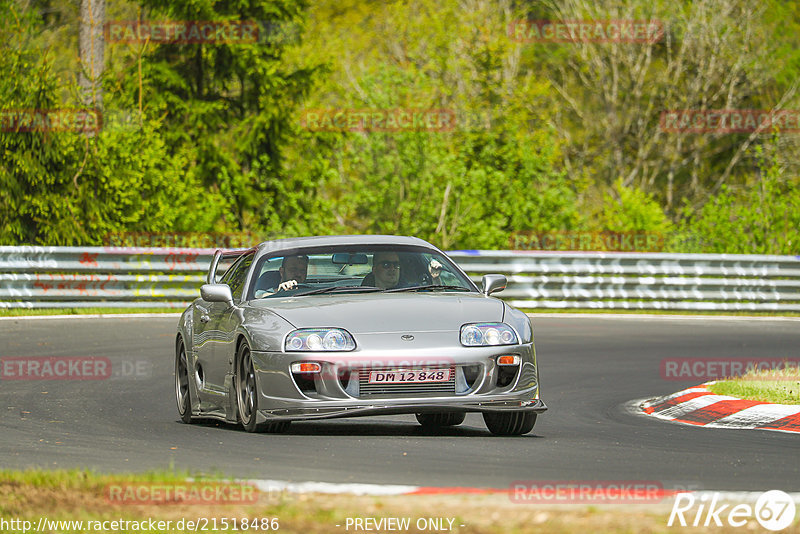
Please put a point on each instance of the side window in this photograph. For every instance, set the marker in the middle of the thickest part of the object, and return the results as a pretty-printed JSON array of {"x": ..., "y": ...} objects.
[
  {"x": 224, "y": 268},
  {"x": 236, "y": 276}
]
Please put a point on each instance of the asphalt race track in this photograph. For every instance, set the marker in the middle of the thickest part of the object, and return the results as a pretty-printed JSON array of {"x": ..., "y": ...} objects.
[{"x": 590, "y": 368}]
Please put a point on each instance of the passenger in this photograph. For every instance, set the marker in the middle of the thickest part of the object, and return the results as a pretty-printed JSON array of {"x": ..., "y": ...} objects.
[
  {"x": 386, "y": 269},
  {"x": 435, "y": 272}
]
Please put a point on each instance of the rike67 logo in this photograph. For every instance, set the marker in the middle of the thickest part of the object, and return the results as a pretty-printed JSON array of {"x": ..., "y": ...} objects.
[{"x": 774, "y": 510}]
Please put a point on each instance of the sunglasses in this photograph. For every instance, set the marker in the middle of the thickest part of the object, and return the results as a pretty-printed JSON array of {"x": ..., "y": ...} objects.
[{"x": 390, "y": 264}]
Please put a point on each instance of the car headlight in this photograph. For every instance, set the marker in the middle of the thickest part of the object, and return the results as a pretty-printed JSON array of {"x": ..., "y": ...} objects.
[
  {"x": 487, "y": 334},
  {"x": 319, "y": 339}
]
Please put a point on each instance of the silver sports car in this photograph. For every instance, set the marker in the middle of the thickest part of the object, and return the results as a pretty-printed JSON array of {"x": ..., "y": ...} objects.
[{"x": 343, "y": 326}]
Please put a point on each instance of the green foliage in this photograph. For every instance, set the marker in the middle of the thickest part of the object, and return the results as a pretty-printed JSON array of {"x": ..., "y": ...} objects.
[
  {"x": 36, "y": 193},
  {"x": 67, "y": 188},
  {"x": 761, "y": 219},
  {"x": 496, "y": 172},
  {"x": 204, "y": 153},
  {"x": 464, "y": 189},
  {"x": 633, "y": 211},
  {"x": 140, "y": 186},
  {"x": 227, "y": 109},
  {"x": 207, "y": 138}
]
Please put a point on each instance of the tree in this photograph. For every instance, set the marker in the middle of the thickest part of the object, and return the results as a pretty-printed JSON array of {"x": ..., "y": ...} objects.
[
  {"x": 494, "y": 173},
  {"x": 763, "y": 219},
  {"x": 714, "y": 55},
  {"x": 227, "y": 108},
  {"x": 59, "y": 187},
  {"x": 92, "y": 51}
]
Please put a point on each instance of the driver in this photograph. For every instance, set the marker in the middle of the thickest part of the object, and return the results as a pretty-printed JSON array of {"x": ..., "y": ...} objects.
[
  {"x": 386, "y": 268},
  {"x": 293, "y": 270}
]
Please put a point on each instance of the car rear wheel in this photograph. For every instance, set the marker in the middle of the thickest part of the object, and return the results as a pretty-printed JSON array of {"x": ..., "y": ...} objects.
[
  {"x": 247, "y": 395},
  {"x": 182, "y": 393},
  {"x": 431, "y": 420},
  {"x": 509, "y": 423}
]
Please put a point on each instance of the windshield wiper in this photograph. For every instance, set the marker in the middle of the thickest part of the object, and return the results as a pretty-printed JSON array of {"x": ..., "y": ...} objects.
[
  {"x": 338, "y": 289},
  {"x": 428, "y": 287}
]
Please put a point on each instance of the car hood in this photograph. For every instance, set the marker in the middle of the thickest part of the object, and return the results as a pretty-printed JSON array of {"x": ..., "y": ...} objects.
[{"x": 386, "y": 312}]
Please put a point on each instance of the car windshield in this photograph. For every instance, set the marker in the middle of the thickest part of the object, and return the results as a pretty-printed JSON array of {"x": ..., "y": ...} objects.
[{"x": 348, "y": 270}]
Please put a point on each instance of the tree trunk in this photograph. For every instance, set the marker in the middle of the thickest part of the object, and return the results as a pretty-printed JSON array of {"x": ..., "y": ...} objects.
[{"x": 92, "y": 48}]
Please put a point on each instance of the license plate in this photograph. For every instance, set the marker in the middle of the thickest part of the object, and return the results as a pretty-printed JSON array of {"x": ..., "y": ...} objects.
[{"x": 409, "y": 376}]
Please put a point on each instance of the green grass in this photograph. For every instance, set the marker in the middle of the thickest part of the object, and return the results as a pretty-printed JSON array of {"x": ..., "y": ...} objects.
[
  {"x": 779, "y": 386},
  {"x": 83, "y": 495}
]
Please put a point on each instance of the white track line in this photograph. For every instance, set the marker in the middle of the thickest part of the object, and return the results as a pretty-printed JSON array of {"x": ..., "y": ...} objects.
[
  {"x": 383, "y": 490},
  {"x": 268, "y": 486}
]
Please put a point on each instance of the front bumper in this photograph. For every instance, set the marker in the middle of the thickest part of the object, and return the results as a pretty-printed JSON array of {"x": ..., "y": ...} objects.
[
  {"x": 331, "y": 396},
  {"x": 394, "y": 408}
]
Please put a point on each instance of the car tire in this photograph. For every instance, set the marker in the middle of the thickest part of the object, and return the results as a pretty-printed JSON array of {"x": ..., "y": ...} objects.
[
  {"x": 433, "y": 420},
  {"x": 246, "y": 391},
  {"x": 183, "y": 394},
  {"x": 509, "y": 423}
]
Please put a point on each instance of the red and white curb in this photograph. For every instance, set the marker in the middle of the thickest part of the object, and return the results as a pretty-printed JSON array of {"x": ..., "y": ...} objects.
[{"x": 700, "y": 407}]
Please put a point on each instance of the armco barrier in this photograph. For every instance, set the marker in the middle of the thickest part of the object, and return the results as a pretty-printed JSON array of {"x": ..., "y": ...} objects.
[
  {"x": 61, "y": 277},
  {"x": 644, "y": 281},
  {"x": 81, "y": 277}
]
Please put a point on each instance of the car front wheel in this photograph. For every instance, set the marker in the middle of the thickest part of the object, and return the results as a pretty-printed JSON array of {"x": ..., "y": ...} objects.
[
  {"x": 509, "y": 423},
  {"x": 247, "y": 395},
  {"x": 182, "y": 394}
]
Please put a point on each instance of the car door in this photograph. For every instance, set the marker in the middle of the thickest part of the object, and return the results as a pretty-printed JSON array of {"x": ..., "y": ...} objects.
[
  {"x": 224, "y": 322},
  {"x": 204, "y": 338},
  {"x": 203, "y": 330}
]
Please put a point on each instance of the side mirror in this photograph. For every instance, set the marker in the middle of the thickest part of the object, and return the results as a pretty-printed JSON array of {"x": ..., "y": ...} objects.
[
  {"x": 216, "y": 293},
  {"x": 492, "y": 283}
]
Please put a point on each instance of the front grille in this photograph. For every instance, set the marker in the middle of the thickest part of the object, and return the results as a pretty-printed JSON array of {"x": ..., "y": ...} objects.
[{"x": 432, "y": 389}]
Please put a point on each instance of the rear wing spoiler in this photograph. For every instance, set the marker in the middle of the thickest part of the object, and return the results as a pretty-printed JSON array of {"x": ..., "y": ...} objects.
[{"x": 211, "y": 277}]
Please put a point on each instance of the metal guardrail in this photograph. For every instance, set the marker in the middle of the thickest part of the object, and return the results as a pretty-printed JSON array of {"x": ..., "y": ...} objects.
[
  {"x": 108, "y": 277},
  {"x": 642, "y": 281},
  {"x": 74, "y": 277}
]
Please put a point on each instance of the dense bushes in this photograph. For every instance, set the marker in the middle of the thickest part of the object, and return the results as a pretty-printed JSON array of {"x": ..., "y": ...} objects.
[{"x": 205, "y": 138}]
